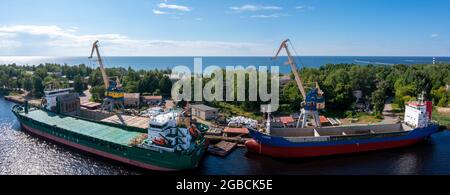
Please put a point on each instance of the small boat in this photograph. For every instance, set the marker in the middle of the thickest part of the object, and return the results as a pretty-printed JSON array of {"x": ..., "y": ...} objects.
[{"x": 314, "y": 142}]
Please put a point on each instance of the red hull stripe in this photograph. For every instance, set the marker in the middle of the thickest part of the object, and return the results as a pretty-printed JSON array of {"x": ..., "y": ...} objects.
[
  {"x": 95, "y": 151},
  {"x": 299, "y": 152}
]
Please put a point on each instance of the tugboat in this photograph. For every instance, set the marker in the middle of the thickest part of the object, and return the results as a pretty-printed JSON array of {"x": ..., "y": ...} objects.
[{"x": 170, "y": 143}]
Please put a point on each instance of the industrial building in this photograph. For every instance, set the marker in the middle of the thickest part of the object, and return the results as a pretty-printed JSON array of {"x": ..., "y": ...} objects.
[{"x": 204, "y": 112}]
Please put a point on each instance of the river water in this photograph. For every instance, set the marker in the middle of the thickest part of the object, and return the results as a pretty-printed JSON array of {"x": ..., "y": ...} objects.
[{"x": 21, "y": 153}]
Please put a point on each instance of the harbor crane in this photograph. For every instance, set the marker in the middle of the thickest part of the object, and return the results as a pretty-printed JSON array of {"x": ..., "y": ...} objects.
[
  {"x": 114, "y": 95},
  {"x": 312, "y": 100}
]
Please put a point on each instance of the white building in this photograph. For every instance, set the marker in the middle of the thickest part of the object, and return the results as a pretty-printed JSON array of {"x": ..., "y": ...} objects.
[{"x": 204, "y": 112}]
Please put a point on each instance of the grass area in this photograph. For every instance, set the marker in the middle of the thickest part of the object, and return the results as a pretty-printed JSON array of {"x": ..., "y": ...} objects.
[
  {"x": 442, "y": 118},
  {"x": 361, "y": 118},
  {"x": 237, "y": 111},
  {"x": 368, "y": 119},
  {"x": 350, "y": 117},
  {"x": 396, "y": 108}
]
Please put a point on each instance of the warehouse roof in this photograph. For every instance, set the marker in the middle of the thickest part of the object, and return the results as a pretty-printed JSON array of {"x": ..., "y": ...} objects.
[
  {"x": 132, "y": 95},
  {"x": 153, "y": 97},
  {"x": 203, "y": 107},
  {"x": 287, "y": 119}
]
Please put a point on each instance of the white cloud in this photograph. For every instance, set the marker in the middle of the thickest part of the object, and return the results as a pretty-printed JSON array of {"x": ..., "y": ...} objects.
[
  {"x": 66, "y": 42},
  {"x": 304, "y": 7},
  {"x": 267, "y": 16},
  {"x": 174, "y": 7},
  {"x": 5, "y": 35},
  {"x": 159, "y": 12},
  {"x": 254, "y": 8},
  {"x": 434, "y": 35}
]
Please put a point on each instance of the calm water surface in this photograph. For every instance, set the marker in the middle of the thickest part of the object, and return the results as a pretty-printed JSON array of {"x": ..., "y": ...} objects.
[{"x": 21, "y": 153}]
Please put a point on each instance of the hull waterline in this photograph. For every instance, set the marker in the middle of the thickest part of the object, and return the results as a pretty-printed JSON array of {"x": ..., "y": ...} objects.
[
  {"x": 304, "y": 152},
  {"x": 93, "y": 151},
  {"x": 283, "y": 147}
]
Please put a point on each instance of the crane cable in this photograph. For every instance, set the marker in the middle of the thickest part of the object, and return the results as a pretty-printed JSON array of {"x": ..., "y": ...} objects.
[
  {"x": 302, "y": 65},
  {"x": 106, "y": 60}
]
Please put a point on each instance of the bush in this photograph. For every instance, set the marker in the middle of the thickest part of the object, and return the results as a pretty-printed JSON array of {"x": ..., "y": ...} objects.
[
  {"x": 443, "y": 102},
  {"x": 98, "y": 93},
  {"x": 378, "y": 116}
]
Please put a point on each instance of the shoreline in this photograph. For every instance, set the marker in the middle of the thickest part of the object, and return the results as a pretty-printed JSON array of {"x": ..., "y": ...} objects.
[{"x": 20, "y": 100}]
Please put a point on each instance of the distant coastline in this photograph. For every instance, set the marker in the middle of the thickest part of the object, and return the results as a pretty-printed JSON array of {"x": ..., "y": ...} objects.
[{"x": 151, "y": 62}]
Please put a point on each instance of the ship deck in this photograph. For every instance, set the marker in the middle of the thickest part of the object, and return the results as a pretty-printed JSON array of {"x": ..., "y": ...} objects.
[{"x": 84, "y": 127}]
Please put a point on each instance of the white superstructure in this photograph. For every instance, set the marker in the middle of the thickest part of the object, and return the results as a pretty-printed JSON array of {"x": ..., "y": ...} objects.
[
  {"x": 418, "y": 114},
  {"x": 164, "y": 127},
  {"x": 50, "y": 97}
]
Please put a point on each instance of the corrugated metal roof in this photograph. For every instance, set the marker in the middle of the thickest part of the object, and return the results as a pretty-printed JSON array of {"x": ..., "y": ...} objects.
[{"x": 203, "y": 107}]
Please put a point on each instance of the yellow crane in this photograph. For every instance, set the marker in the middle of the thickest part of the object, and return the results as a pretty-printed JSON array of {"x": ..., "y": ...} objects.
[{"x": 114, "y": 95}]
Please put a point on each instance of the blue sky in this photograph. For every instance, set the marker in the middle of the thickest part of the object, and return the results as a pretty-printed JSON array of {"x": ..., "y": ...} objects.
[{"x": 225, "y": 27}]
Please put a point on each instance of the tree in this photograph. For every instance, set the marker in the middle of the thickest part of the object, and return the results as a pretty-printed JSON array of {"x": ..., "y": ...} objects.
[
  {"x": 78, "y": 84},
  {"x": 338, "y": 90},
  {"x": 165, "y": 86},
  {"x": 38, "y": 87},
  {"x": 95, "y": 78},
  {"x": 41, "y": 72},
  {"x": 443, "y": 102},
  {"x": 98, "y": 93},
  {"x": 52, "y": 82},
  {"x": 440, "y": 96},
  {"x": 403, "y": 94},
  {"x": 291, "y": 95},
  {"x": 131, "y": 87},
  {"x": 379, "y": 97},
  {"x": 27, "y": 83},
  {"x": 148, "y": 84}
]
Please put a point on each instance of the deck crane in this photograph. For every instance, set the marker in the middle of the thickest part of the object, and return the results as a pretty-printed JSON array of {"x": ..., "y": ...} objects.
[
  {"x": 114, "y": 95},
  {"x": 312, "y": 100}
]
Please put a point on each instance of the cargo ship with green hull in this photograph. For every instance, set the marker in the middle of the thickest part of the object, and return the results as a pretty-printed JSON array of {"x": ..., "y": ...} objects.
[{"x": 170, "y": 143}]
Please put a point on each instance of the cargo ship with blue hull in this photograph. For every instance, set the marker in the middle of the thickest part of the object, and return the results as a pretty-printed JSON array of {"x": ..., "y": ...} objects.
[
  {"x": 313, "y": 140},
  {"x": 325, "y": 141},
  {"x": 171, "y": 142}
]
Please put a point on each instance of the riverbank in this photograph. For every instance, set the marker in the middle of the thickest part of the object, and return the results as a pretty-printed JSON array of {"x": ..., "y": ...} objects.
[
  {"x": 442, "y": 116},
  {"x": 20, "y": 99}
]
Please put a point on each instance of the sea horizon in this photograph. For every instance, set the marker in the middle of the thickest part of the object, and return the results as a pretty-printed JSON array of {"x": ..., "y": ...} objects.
[{"x": 168, "y": 62}]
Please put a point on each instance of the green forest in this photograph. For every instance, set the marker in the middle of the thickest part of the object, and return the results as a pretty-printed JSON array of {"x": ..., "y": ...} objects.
[
  {"x": 36, "y": 79},
  {"x": 403, "y": 83}
]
